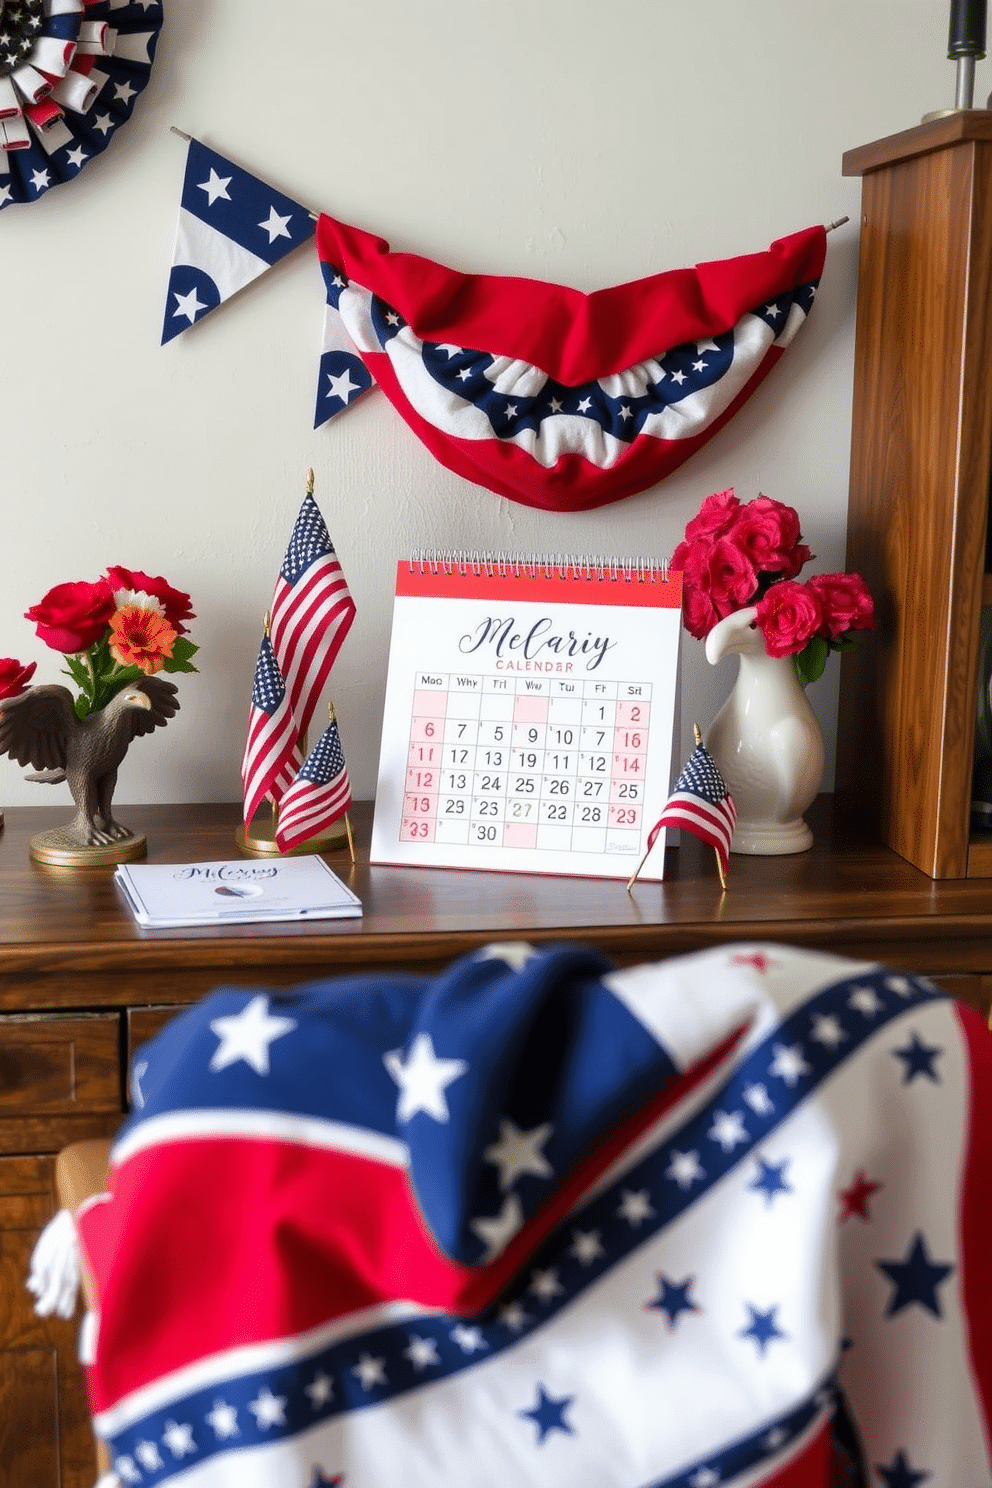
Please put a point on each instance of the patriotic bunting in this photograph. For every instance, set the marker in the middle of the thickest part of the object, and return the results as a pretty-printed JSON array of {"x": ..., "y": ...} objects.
[
  {"x": 320, "y": 794},
  {"x": 548, "y": 396},
  {"x": 231, "y": 228},
  {"x": 70, "y": 71},
  {"x": 555, "y": 398},
  {"x": 542, "y": 1222}
]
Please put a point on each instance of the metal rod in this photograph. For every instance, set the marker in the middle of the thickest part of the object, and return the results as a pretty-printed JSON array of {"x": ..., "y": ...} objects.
[
  {"x": 964, "y": 95},
  {"x": 837, "y": 222}
]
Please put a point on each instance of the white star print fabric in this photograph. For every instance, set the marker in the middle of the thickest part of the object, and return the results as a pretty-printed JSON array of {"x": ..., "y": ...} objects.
[
  {"x": 231, "y": 228},
  {"x": 543, "y": 1222}
]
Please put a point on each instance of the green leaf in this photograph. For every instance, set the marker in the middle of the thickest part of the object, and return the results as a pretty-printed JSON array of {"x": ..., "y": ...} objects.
[
  {"x": 811, "y": 662},
  {"x": 182, "y": 651},
  {"x": 78, "y": 671}
]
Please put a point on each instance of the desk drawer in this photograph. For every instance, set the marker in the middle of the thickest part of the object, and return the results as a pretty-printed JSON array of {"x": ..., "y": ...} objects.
[{"x": 55, "y": 1066}]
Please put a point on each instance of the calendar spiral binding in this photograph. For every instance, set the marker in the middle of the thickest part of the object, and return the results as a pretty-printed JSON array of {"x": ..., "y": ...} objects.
[{"x": 477, "y": 564}]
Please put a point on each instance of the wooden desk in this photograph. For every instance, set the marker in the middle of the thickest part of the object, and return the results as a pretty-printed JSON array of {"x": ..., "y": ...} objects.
[{"x": 81, "y": 986}]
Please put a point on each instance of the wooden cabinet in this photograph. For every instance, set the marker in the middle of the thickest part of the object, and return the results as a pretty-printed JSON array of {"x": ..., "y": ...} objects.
[
  {"x": 82, "y": 986},
  {"x": 919, "y": 492},
  {"x": 45, "y": 1437}
]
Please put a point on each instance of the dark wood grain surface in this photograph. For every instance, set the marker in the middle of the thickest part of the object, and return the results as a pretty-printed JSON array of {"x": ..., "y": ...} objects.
[
  {"x": 919, "y": 492},
  {"x": 68, "y": 940}
]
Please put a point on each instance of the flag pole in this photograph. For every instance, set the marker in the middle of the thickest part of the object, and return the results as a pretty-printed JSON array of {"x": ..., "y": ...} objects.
[
  {"x": 697, "y": 735},
  {"x": 332, "y": 718},
  {"x": 633, "y": 877}
]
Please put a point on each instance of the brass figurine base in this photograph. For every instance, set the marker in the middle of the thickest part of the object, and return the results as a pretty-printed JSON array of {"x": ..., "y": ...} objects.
[
  {"x": 259, "y": 841},
  {"x": 57, "y": 848}
]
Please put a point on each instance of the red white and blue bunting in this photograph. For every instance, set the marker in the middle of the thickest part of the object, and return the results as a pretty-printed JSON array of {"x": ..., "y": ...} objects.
[
  {"x": 70, "y": 71},
  {"x": 551, "y": 397}
]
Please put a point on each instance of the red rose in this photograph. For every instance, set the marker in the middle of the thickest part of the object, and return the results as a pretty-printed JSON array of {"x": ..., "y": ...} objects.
[
  {"x": 845, "y": 601},
  {"x": 769, "y": 533},
  {"x": 715, "y": 517},
  {"x": 72, "y": 616},
  {"x": 174, "y": 602},
  {"x": 14, "y": 678},
  {"x": 788, "y": 616},
  {"x": 732, "y": 577},
  {"x": 717, "y": 579}
]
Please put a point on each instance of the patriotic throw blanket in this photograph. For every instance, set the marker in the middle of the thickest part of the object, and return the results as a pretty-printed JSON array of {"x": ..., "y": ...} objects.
[
  {"x": 551, "y": 397},
  {"x": 537, "y": 1222}
]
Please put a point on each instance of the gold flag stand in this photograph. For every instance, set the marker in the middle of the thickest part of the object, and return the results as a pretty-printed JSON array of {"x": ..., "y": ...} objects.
[{"x": 260, "y": 840}]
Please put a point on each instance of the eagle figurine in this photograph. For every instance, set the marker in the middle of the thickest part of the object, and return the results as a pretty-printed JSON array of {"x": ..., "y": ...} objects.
[{"x": 41, "y": 728}]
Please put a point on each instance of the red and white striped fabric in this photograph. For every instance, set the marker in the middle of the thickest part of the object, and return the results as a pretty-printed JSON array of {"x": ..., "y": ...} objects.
[
  {"x": 272, "y": 753},
  {"x": 312, "y": 612},
  {"x": 320, "y": 794}
]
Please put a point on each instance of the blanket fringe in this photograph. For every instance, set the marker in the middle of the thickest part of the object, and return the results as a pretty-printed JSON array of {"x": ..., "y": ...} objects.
[{"x": 54, "y": 1275}]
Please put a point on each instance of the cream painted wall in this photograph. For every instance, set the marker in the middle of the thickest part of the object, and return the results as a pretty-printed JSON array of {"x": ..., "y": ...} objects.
[{"x": 563, "y": 139}]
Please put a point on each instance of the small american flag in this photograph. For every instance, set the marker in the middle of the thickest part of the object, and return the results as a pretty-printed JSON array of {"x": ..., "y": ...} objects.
[
  {"x": 272, "y": 755},
  {"x": 319, "y": 795},
  {"x": 312, "y": 611},
  {"x": 700, "y": 804}
]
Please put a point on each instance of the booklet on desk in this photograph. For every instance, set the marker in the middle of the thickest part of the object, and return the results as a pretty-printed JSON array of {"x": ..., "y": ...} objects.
[{"x": 168, "y": 894}]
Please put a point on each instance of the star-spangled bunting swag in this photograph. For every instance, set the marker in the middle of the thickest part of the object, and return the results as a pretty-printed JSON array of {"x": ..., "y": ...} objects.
[
  {"x": 70, "y": 71},
  {"x": 231, "y": 228},
  {"x": 700, "y": 804},
  {"x": 542, "y": 1222},
  {"x": 548, "y": 396},
  {"x": 320, "y": 794}
]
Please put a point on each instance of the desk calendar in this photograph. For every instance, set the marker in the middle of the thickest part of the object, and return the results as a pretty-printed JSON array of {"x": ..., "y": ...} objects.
[{"x": 529, "y": 715}]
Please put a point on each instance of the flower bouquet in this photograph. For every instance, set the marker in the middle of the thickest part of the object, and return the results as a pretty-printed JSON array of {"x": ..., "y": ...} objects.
[
  {"x": 735, "y": 556},
  {"x": 742, "y": 595},
  {"x": 115, "y": 636}
]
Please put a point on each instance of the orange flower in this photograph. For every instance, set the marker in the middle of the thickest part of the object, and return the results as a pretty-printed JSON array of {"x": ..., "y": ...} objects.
[{"x": 141, "y": 638}]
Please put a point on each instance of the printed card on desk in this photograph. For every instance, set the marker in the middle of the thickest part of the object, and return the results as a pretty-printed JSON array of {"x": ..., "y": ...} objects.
[
  {"x": 169, "y": 894},
  {"x": 529, "y": 715}
]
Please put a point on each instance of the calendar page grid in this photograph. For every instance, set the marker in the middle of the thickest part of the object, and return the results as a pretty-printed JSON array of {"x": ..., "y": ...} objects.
[{"x": 527, "y": 763}]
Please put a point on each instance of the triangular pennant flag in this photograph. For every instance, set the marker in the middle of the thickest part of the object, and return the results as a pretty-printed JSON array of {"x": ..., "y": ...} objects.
[
  {"x": 342, "y": 377},
  {"x": 231, "y": 228}
]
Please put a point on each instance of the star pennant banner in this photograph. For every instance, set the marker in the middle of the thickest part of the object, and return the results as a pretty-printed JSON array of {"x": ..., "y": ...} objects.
[
  {"x": 342, "y": 376},
  {"x": 539, "y": 1221},
  {"x": 546, "y": 395},
  {"x": 231, "y": 228}
]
